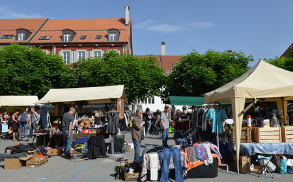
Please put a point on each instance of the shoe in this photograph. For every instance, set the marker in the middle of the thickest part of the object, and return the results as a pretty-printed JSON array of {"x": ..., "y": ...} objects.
[
  {"x": 68, "y": 157},
  {"x": 26, "y": 140},
  {"x": 148, "y": 134}
]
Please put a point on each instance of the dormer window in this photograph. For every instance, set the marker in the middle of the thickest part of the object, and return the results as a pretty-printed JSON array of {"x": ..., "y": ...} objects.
[
  {"x": 113, "y": 35},
  {"x": 44, "y": 38},
  {"x": 67, "y": 37},
  {"x": 21, "y": 36}
]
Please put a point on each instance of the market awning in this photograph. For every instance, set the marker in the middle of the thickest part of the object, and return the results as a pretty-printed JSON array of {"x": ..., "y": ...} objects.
[
  {"x": 186, "y": 100},
  {"x": 16, "y": 100},
  {"x": 87, "y": 95}
]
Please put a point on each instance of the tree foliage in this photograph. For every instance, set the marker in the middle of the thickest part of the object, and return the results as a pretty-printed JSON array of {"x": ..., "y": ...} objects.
[
  {"x": 283, "y": 62},
  {"x": 196, "y": 74},
  {"x": 142, "y": 77},
  {"x": 27, "y": 71}
]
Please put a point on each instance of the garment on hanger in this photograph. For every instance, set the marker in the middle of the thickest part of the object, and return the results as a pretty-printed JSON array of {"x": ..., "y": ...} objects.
[
  {"x": 43, "y": 117},
  {"x": 216, "y": 117},
  {"x": 113, "y": 122}
]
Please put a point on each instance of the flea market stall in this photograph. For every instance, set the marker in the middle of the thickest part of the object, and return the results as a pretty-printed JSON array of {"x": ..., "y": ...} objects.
[
  {"x": 16, "y": 102},
  {"x": 263, "y": 82},
  {"x": 114, "y": 95}
]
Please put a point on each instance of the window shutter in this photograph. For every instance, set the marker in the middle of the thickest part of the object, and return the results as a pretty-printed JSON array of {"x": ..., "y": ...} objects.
[
  {"x": 71, "y": 56},
  {"x": 75, "y": 56},
  {"x": 86, "y": 54}
]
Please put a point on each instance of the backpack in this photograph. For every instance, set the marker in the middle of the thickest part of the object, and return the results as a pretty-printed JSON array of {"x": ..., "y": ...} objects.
[{"x": 23, "y": 117}]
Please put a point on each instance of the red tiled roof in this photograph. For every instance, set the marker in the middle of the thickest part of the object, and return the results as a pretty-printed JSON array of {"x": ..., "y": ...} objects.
[
  {"x": 9, "y": 27},
  {"x": 286, "y": 53},
  {"x": 166, "y": 61},
  {"x": 87, "y": 27}
]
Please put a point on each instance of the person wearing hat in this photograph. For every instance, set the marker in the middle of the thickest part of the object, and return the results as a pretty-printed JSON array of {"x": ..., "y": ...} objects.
[
  {"x": 35, "y": 118},
  {"x": 184, "y": 119}
]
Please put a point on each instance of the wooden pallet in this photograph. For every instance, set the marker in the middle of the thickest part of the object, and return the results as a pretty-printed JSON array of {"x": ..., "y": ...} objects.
[
  {"x": 287, "y": 133},
  {"x": 267, "y": 135},
  {"x": 245, "y": 135}
]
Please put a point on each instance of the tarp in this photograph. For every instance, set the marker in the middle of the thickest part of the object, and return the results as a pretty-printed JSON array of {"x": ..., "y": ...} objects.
[
  {"x": 186, "y": 100},
  {"x": 88, "y": 95},
  {"x": 261, "y": 81},
  {"x": 15, "y": 100}
]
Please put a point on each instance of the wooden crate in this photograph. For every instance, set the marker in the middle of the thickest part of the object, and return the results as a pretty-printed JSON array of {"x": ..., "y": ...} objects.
[
  {"x": 131, "y": 176},
  {"x": 267, "y": 135},
  {"x": 245, "y": 135},
  {"x": 287, "y": 133},
  {"x": 244, "y": 164}
]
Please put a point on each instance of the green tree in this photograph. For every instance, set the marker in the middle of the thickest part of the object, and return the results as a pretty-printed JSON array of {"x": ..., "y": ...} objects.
[
  {"x": 26, "y": 71},
  {"x": 142, "y": 77},
  {"x": 283, "y": 62},
  {"x": 196, "y": 74}
]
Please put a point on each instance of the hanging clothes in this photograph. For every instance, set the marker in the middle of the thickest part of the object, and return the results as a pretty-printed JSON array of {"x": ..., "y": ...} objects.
[
  {"x": 113, "y": 122},
  {"x": 216, "y": 116},
  {"x": 44, "y": 117}
]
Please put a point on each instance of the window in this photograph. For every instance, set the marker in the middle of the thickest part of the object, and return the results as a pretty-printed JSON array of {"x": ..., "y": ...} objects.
[
  {"x": 66, "y": 57},
  {"x": 150, "y": 100},
  {"x": 81, "y": 54},
  {"x": 7, "y": 36},
  {"x": 48, "y": 37},
  {"x": 112, "y": 36},
  {"x": 41, "y": 38},
  {"x": 44, "y": 37},
  {"x": 98, "y": 37},
  {"x": 97, "y": 53},
  {"x": 21, "y": 36},
  {"x": 82, "y": 37},
  {"x": 173, "y": 65},
  {"x": 67, "y": 37}
]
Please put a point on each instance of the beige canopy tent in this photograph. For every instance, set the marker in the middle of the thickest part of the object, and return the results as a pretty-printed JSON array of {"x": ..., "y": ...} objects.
[
  {"x": 90, "y": 95},
  {"x": 16, "y": 100},
  {"x": 264, "y": 81}
]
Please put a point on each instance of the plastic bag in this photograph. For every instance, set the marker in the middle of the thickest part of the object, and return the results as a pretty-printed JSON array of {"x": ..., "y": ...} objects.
[
  {"x": 281, "y": 165},
  {"x": 290, "y": 166}
]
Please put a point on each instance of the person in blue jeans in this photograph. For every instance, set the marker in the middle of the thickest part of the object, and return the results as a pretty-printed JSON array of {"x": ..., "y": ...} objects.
[
  {"x": 181, "y": 137},
  {"x": 165, "y": 121},
  {"x": 23, "y": 119},
  {"x": 148, "y": 120},
  {"x": 67, "y": 132},
  {"x": 137, "y": 129},
  {"x": 35, "y": 117}
]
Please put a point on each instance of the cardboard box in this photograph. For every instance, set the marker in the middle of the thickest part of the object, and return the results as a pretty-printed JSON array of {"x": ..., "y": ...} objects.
[
  {"x": 37, "y": 161},
  {"x": 16, "y": 163},
  {"x": 54, "y": 151},
  {"x": 244, "y": 164},
  {"x": 131, "y": 176}
]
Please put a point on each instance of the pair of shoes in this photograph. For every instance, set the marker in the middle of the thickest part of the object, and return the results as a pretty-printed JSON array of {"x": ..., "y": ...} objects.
[
  {"x": 26, "y": 140},
  {"x": 19, "y": 140},
  {"x": 68, "y": 157}
]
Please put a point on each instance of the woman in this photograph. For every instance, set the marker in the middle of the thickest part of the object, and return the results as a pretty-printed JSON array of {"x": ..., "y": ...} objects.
[
  {"x": 137, "y": 129},
  {"x": 14, "y": 125},
  {"x": 23, "y": 120},
  {"x": 176, "y": 119},
  {"x": 149, "y": 120}
]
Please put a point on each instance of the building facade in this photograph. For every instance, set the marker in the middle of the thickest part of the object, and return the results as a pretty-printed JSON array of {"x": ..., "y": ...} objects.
[{"x": 73, "y": 39}]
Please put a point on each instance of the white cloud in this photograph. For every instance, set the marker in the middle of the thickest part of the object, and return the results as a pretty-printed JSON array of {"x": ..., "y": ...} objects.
[
  {"x": 152, "y": 26},
  {"x": 202, "y": 25},
  {"x": 8, "y": 12}
]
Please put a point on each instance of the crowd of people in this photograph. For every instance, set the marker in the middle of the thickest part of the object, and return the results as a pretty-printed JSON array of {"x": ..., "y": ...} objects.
[{"x": 180, "y": 121}]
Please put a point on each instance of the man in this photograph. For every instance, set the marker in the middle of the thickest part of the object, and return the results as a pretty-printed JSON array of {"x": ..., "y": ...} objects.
[
  {"x": 165, "y": 119},
  {"x": 137, "y": 129},
  {"x": 35, "y": 118},
  {"x": 184, "y": 119},
  {"x": 67, "y": 131}
]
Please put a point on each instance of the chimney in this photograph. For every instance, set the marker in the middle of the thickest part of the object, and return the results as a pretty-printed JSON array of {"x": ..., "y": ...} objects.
[
  {"x": 127, "y": 15},
  {"x": 163, "y": 52}
]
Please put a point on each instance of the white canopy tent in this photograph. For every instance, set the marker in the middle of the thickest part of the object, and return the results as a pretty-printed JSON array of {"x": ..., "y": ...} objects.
[
  {"x": 92, "y": 95},
  {"x": 264, "y": 81},
  {"x": 16, "y": 100}
]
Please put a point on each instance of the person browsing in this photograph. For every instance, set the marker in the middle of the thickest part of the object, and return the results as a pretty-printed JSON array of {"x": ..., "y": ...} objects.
[
  {"x": 184, "y": 119},
  {"x": 165, "y": 120},
  {"x": 67, "y": 132},
  {"x": 137, "y": 129}
]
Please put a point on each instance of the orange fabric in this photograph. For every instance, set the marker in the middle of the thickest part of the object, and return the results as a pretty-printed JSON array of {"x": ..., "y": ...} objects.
[
  {"x": 193, "y": 165},
  {"x": 40, "y": 154},
  {"x": 195, "y": 144}
]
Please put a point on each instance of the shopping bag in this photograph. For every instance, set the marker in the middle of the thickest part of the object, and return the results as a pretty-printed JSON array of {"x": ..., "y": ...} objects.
[
  {"x": 281, "y": 165},
  {"x": 290, "y": 166}
]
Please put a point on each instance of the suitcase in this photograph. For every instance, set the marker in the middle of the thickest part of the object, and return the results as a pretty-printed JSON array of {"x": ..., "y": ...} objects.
[{"x": 203, "y": 171}]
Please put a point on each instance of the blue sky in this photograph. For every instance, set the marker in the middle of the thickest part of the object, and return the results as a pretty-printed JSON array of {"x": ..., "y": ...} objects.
[{"x": 261, "y": 28}]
